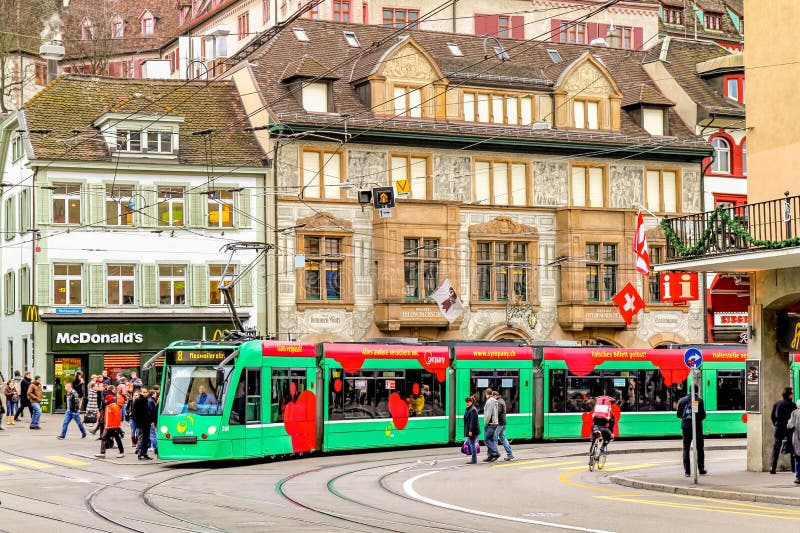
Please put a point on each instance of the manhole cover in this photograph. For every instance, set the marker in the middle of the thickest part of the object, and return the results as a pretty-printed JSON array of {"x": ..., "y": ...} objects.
[{"x": 542, "y": 515}]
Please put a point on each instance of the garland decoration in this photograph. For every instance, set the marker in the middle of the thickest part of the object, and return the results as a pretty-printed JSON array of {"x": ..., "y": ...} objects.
[{"x": 721, "y": 217}]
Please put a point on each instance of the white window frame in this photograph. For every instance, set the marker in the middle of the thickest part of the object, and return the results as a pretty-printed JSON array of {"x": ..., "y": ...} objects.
[
  {"x": 171, "y": 202},
  {"x": 721, "y": 165},
  {"x": 158, "y": 139},
  {"x": 129, "y": 140},
  {"x": 67, "y": 278},
  {"x": 315, "y": 97},
  {"x": 218, "y": 200},
  {"x": 66, "y": 197},
  {"x": 120, "y": 203},
  {"x": 120, "y": 280},
  {"x": 214, "y": 279},
  {"x": 172, "y": 279}
]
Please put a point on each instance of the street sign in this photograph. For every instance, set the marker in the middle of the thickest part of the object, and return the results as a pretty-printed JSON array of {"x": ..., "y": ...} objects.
[
  {"x": 383, "y": 197},
  {"x": 69, "y": 311},
  {"x": 403, "y": 188},
  {"x": 693, "y": 358}
]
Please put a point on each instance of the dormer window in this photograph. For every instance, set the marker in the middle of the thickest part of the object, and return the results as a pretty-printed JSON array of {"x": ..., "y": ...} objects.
[
  {"x": 87, "y": 30},
  {"x": 673, "y": 15},
  {"x": 315, "y": 97},
  {"x": 653, "y": 120},
  {"x": 713, "y": 21},
  {"x": 148, "y": 23},
  {"x": 734, "y": 87},
  {"x": 586, "y": 114},
  {"x": 159, "y": 142},
  {"x": 117, "y": 28},
  {"x": 351, "y": 38},
  {"x": 129, "y": 140}
]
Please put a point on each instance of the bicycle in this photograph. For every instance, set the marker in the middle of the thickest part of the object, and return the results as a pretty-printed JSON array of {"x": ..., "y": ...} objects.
[{"x": 596, "y": 457}]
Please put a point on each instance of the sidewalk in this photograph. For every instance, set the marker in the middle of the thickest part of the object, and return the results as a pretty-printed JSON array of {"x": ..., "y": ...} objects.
[{"x": 727, "y": 480}]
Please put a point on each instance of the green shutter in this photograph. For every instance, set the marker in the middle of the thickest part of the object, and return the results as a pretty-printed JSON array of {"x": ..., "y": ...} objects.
[
  {"x": 199, "y": 286},
  {"x": 24, "y": 211},
  {"x": 43, "y": 284},
  {"x": 96, "y": 285},
  {"x": 148, "y": 210},
  {"x": 196, "y": 203},
  {"x": 243, "y": 212},
  {"x": 96, "y": 206},
  {"x": 245, "y": 296},
  {"x": 44, "y": 203},
  {"x": 148, "y": 286}
]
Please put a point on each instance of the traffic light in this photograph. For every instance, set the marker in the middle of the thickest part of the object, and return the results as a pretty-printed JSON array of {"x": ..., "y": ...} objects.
[{"x": 383, "y": 197}]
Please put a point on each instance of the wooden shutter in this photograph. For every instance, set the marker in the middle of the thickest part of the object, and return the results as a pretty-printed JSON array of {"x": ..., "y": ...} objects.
[
  {"x": 96, "y": 205},
  {"x": 555, "y": 30},
  {"x": 592, "y": 32},
  {"x": 147, "y": 207},
  {"x": 200, "y": 286},
  {"x": 43, "y": 284},
  {"x": 602, "y": 31},
  {"x": 638, "y": 38},
  {"x": 243, "y": 211},
  {"x": 245, "y": 296},
  {"x": 518, "y": 27},
  {"x": 196, "y": 202},
  {"x": 44, "y": 202},
  {"x": 481, "y": 24},
  {"x": 96, "y": 285},
  {"x": 148, "y": 285}
]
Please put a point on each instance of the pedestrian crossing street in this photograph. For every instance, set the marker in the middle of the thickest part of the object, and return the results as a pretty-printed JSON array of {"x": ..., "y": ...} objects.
[{"x": 11, "y": 464}]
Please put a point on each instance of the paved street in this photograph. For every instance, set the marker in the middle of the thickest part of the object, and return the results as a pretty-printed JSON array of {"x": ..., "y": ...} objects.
[{"x": 46, "y": 484}]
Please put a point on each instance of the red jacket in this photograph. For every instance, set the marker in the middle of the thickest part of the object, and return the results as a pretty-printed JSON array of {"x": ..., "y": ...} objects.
[{"x": 113, "y": 416}]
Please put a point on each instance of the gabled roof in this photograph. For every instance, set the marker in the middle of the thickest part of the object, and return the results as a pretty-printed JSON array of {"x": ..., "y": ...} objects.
[
  {"x": 692, "y": 24},
  {"x": 308, "y": 67},
  {"x": 68, "y": 107},
  {"x": 682, "y": 57},
  {"x": 529, "y": 69},
  {"x": 646, "y": 95}
]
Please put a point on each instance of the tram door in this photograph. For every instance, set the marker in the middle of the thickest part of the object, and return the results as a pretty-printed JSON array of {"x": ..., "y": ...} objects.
[{"x": 245, "y": 421}]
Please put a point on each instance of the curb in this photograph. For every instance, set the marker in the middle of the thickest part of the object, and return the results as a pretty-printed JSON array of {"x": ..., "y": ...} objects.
[{"x": 706, "y": 493}]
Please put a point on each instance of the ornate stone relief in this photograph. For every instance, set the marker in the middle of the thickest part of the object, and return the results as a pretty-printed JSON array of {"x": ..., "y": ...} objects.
[
  {"x": 691, "y": 191},
  {"x": 325, "y": 221},
  {"x": 288, "y": 170},
  {"x": 452, "y": 178},
  {"x": 408, "y": 63},
  {"x": 625, "y": 186},
  {"x": 550, "y": 183},
  {"x": 588, "y": 80},
  {"x": 503, "y": 225},
  {"x": 365, "y": 169}
]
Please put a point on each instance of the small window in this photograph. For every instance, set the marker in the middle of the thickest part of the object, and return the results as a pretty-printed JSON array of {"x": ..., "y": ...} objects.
[
  {"x": 315, "y": 97},
  {"x": 501, "y": 53},
  {"x": 455, "y": 49},
  {"x": 555, "y": 56},
  {"x": 301, "y": 34},
  {"x": 352, "y": 40},
  {"x": 653, "y": 120}
]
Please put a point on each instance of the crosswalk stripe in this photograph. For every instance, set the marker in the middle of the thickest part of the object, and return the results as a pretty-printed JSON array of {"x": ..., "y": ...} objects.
[
  {"x": 6, "y": 468},
  {"x": 629, "y": 467},
  {"x": 32, "y": 463},
  {"x": 66, "y": 460},
  {"x": 548, "y": 465}
]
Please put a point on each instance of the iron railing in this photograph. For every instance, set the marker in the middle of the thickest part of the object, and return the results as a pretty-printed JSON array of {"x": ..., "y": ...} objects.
[{"x": 727, "y": 230}]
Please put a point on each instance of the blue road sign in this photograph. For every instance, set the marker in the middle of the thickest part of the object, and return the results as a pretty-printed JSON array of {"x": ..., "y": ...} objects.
[
  {"x": 69, "y": 311},
  {"x": 693, "y": 358}
]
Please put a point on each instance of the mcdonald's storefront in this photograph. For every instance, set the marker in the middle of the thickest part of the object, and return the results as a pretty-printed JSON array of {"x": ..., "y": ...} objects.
[{"x": 92, "y": 344}]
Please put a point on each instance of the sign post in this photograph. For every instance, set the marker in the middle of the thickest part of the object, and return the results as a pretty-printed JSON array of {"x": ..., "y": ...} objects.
[{"x": 693, "y": 358}]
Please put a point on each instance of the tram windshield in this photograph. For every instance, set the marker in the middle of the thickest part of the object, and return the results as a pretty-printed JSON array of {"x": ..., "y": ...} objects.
[{"x": 193, "y": 389}]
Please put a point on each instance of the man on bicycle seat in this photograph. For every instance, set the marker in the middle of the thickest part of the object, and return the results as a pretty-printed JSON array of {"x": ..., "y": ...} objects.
[{"x": 602, "y": 420}]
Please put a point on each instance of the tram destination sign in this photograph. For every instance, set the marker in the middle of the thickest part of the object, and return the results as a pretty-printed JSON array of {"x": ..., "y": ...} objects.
[{"x": 196, "y": 356}]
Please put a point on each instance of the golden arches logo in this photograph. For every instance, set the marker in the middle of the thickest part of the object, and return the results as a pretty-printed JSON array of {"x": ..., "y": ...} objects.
[
  {"x": 796, "y": 340},
  {"x": 220, "y": 334},
  {"x": 30, "y": 313}
]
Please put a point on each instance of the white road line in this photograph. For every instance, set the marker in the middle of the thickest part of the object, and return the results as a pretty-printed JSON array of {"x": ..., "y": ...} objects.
[{"x": 408, "y": 487}]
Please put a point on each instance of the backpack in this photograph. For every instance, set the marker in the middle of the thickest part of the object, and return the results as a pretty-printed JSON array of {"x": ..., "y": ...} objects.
[{"x": 687, "y": 411}]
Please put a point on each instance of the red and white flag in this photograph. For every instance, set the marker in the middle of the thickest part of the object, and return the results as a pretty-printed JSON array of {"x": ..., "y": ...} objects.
[
  {"x": 640, "y": 247},
  {"x": 629, "y": 302},
  {"x": 448, "y": 301}
]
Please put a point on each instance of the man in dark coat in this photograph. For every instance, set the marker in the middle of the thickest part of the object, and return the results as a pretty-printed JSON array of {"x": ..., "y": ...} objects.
[
  {"x": 684, "y": 412},
  {"x": 471, "y": 428},
  {"x": 23, "y": 396},
  {"x": 781, "y": 412},
  {"x": 141, "y": 415}
]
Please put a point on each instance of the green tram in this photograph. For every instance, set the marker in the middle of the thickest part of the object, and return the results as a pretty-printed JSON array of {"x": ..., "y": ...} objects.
[{"x": 260, "y": 398}]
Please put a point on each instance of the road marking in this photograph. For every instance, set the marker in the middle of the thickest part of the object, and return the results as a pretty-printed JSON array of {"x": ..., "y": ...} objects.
[
  {"x": 582, "y": 467},
  {"x": 713, "y": 507},
  {"x": 519, "y": 463},
  {"x": 31, "y": 463},
  {"x": 408, "y": 487},
  {"x": 737, "y": 503},
  {"x": 6, "y": 468},
  {"x": 628, "y": 467},
  {"x": 548, "y": 465},
  {"x": 66, "y": 460},
  {"x": 564, "y": 478}
]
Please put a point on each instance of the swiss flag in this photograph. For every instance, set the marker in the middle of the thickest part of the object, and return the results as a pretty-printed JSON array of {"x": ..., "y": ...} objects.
[
  {"x": 640, "y": 247},
  {"x": 629, "y": 302}
]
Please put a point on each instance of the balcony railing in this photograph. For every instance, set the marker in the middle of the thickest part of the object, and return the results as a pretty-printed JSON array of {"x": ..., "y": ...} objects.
[{"x": 727, "y": 230}]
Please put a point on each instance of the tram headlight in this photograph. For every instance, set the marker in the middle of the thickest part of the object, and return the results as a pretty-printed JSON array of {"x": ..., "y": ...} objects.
[
  {"x": 164, "y": 429},
  {"x": 212, "y": 430}
]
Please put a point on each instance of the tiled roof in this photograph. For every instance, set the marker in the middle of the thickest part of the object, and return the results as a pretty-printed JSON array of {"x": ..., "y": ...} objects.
[
  {"x": 529, "y": 61},
  {"x": 682, "y": 58},
  {"x": 646, "y": 94},
  {"x": 691, "y": 23},
  {"x": 67, "y": 108},
  {"x": 737, "y": 6},
  {"x": 308, "y": 67}
]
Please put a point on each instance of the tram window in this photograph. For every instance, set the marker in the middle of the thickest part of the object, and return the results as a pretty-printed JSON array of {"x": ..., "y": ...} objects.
[
  {"x": 621, "y": 385},
  {"x": 558, "y": 400},
  {"x": 504, "y": 381},
  {"x": 730, "y": 390},
  {"x": 191, "y": 389},
  {"x": 366, "y": 394},
  {"x": 246, "y": 406},
  {"x": 287, "y": 384},
  {"x": 655, "y": 395},
  {"x": 582, "y": 391}
]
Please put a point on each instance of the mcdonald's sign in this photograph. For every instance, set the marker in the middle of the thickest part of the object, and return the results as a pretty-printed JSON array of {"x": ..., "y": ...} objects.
[
  {"x": 219, "y": 334},
  {"x": 30, "y": 313}
]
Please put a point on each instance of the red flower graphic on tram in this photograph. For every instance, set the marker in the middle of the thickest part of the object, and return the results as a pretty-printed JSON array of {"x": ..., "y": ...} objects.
[
  {"x": 398, "y": 408},
  {"x": 300, "y": 422}
]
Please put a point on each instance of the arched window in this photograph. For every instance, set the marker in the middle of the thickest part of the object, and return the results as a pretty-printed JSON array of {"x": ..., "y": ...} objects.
[
  {"x": 722, "y": 156},
  {"x": 744, "y": 157}
]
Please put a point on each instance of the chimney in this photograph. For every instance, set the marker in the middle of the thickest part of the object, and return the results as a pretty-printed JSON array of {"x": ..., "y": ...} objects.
[
  {"x": 614, "y": 37},
  {"x": 53, "y": 52}
]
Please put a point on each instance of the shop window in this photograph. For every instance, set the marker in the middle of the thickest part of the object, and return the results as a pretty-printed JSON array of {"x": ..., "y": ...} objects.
[
  {"x": 506, "y": 382},
  {"x": 66, "y": 203},
  {"x": 119, "y": 205},
  {"x": 120, "y": 282},
  {"x": 730, "y": 390},
  {"x": 246, "y": 408},
  {"x": 172, "y": 284},
  {"x": 502, "y": 271},
  {"x": 220, "y": 209},
  {"x": 601, "y": 271},
  {"x": 67, "y": 284},
  {"x": 170, "y": 206},
  {"x": 287, "y": 384},
  {"x": 365, "y": 394},
  {"x": 420, "y": 267}
]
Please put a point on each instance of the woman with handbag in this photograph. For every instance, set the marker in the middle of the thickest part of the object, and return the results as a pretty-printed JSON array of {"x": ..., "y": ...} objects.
[
  {"x": 12, "y": 400},
  {"x": 90, "y": 417}
]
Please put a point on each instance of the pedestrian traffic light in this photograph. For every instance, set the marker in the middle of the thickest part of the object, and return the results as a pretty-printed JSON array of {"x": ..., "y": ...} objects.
[{"x": 383, "y": 197}]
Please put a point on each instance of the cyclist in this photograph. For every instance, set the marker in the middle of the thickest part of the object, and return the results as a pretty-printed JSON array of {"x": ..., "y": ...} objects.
[{"x": 603, "y": 420}]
